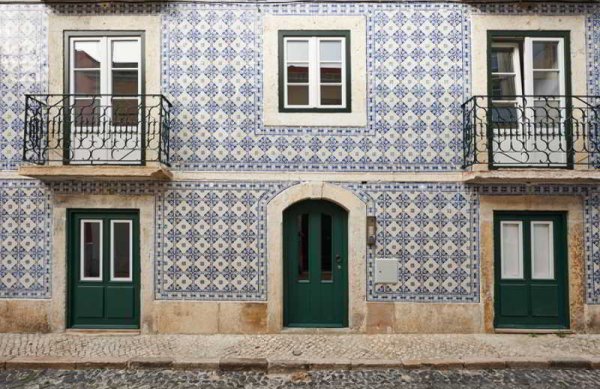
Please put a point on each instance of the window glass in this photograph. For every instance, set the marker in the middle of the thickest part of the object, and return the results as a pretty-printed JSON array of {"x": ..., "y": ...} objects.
[
  {"x": 121, "y": 250},
  {"x": 330, "y": 51},
  {"x": 91, "y": 250},
  {"x": 125, "y": 54},
  {"x": 297, "y": 73},
  {"x": 546, "y": 83},
  {"x": 511, "y": 254},
  {"x": 331, "y": 72},
  {"x": 331, "y": 95},
  {"x": 87, "y": 82},
  {"x": 542, "y": 251},
  {"x": 303, "y": 268},
  {"x": 545, "y": 55},
  {"x": 502, "y": 60},
  {"x": 86, "y": 55},
  {"x": 297, "y": 51},
  {"x": 124, "y": 82},
  {"x": 298, "y": 95},
  {"x": 326, "y": 245}
]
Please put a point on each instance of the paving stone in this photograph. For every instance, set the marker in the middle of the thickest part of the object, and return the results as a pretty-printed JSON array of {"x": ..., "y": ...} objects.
[{"x": 381, "y": 379}]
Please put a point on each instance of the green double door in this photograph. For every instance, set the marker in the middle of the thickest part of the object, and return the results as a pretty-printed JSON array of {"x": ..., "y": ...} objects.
[
  {"x": 315, "y": 237},
  {"x": 104, "y": 269},
  {"x": 531, "y": 274}
]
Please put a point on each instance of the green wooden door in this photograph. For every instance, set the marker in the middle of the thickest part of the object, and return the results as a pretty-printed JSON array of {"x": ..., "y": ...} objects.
[
  {"x": 104, "y": 269},
  {"x": 531, "y": 280},
  {"x": 315, "y": 240}
]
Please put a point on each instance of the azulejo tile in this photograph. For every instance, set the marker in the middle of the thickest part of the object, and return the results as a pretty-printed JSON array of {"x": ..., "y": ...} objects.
[{"x": 25, "y": 245}]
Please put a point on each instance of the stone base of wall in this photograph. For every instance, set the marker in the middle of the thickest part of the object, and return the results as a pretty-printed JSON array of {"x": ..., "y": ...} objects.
[{"x": 193, "y": 317}]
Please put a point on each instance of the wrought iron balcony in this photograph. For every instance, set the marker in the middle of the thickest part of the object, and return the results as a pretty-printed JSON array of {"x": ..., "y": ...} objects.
[
  {"x": 531, "y": 131},
  {"x": 96, "y": 130}
]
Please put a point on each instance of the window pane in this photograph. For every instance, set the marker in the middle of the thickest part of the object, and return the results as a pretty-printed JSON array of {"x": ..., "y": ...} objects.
[
  {"x": 545, "y": 55},
  {"x": 503, "y": 86},
  {"x": 86, "y": 54},
  {"x": 303, "y": 249},
  {"x": 125, "y": 112},
  {"x": 125, "y": 82},
  {"x": 542, "y": 251},
  {"x": 547, "y": 112},
  {"x": 331, "y": 72},
  {"x": 91, "y": 247},
  {"x": 330, "y": 51},
  {"x": 86, "y": 112},
  {"x": 121, "y": 254},
  {"x": 331, "y": 95},
  {"x": 87, "y": 82},
  {"x": 125, "y": 54},
  {"x": 297, "y": 72},
  {"x": 511, "y": 251},
  {"x": 502, "y": 60},
  {"x": 505, "y": 115},
  {"x": 297, "y": 94},
  {"x": 326, "y": 274},
  {"x": 297, "y": 51},
  {"x": 545, "y": 83}
]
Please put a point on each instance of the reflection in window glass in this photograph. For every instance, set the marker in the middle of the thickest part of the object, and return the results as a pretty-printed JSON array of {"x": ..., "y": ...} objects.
[
  {"x": 545, "y": 55},
  {"x": 331, "y": 95},
  {"x": 298, "y": 94},
  {"x": 125, "y": 54},
  {"x": 91, "y": 250},
  {"x": 502, "y": 60},
  {"x": 326, "y": 260},
  {"x": 330, "y": 51},
  {"x": 121, "y": 254},
  {"x": 86, "y": 54},
  {"x": 303, "y": 249}
]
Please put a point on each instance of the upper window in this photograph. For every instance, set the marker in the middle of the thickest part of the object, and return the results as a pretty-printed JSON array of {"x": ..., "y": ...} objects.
[{"x": 314, "y": 71}]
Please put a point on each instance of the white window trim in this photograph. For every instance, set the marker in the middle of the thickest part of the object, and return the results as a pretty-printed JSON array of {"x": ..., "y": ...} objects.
[
  {"x": 550, "y": 249},
  {"x": 520, "y": 246},
  {"x": 82, "y": 276},
  {"x": 314, "y": 74},
  {"x": 112, "y": 251}
]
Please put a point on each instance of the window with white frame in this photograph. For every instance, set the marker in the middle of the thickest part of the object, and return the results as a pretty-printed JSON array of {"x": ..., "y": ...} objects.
[{"x": 314, "y": 71}]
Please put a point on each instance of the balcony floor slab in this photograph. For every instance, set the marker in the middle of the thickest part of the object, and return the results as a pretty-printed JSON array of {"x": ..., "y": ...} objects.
[
  {"x": 111, "y": 172},
  {"x": 534, "y": 176}
]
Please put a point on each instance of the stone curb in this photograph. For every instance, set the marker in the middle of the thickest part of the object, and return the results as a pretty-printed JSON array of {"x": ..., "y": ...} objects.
[
  {"x": 243, "y": 364},
  {"x": 284, "y": 366}
]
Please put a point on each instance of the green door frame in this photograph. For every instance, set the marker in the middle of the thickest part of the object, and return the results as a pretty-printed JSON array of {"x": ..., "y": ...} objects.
[
  {"x": 561, "y": 268},
  {"x": 72, "y": 250},
  {"x": 314, "y": 295}
]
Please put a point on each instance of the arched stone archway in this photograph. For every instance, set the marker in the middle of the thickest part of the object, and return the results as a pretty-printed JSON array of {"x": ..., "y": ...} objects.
[{"x": 357, "y": 220}]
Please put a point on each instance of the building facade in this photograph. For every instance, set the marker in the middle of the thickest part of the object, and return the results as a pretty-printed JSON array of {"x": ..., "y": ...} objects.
[{"x": 385, "y": 167}]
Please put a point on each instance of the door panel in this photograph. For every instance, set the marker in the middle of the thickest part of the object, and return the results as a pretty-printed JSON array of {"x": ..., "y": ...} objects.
[
  {"x": 315, "y": 271},
  {"x": 534, "y": 294},
  {"x": 103, "y": 260}
]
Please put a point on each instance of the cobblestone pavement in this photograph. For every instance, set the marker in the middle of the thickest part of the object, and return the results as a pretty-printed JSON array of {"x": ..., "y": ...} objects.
[
  {"x": 300, "y": 347},
  {"x": 320, "y": 379}
]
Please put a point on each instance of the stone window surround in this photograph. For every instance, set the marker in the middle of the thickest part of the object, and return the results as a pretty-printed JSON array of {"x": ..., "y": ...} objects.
[
  {"x": 576, "y": 24},
  {"x": 58, "y": 24},
  {"x": 357, "y": 27}
]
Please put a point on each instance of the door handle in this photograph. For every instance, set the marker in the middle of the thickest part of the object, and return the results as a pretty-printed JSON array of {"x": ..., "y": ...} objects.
[{"x": 338, "y": 260}]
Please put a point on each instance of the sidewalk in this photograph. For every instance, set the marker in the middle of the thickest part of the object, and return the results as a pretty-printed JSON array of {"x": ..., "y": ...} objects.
[{"x": 293, "y": 352}]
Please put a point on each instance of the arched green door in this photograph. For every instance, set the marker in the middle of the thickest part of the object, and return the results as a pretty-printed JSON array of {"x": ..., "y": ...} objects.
[{"x": 315, "y": 247}]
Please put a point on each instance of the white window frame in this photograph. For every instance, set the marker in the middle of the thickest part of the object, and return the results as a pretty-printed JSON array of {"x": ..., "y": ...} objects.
[
  {"x": 112, "y": 251},
  {"x": 519, "y": 244},
  {"x": 314, "y": 74},
  {"x": 82, "y": 276},
  {"x": 550, "y": 250}
]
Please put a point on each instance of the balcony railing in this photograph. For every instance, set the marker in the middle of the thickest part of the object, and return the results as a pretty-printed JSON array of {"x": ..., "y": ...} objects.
[
  {"x": 531, "y": 131},
  {"x": 96, "y": 130}
]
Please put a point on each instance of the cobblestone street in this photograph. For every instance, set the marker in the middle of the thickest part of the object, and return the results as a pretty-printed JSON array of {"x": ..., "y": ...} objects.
[{"x": 519, "y": 378}]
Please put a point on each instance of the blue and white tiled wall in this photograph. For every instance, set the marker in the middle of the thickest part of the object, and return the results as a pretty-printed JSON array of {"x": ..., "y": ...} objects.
[{"x": 211, "y": 237}]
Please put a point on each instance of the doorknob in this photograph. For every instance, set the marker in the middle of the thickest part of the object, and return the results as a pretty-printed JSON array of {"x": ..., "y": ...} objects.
[{"x": 338, "y": 260}]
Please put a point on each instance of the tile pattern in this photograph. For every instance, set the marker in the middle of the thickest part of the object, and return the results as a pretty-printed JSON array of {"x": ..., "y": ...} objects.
[
  {"x": 418, "y": 71},
  {"x": 25, "y": 247},
  {"x": 23, "y": 69},
  {"x": 432, "y": 229},
  {"x": 211, "y": 240}
]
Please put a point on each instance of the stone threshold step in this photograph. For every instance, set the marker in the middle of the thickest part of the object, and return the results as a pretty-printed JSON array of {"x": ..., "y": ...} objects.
[{"x": 281, "y": 366}]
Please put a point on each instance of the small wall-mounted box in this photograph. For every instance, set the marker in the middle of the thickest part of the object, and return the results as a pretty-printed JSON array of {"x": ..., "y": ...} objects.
[{"x": 386, "y": 270}]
